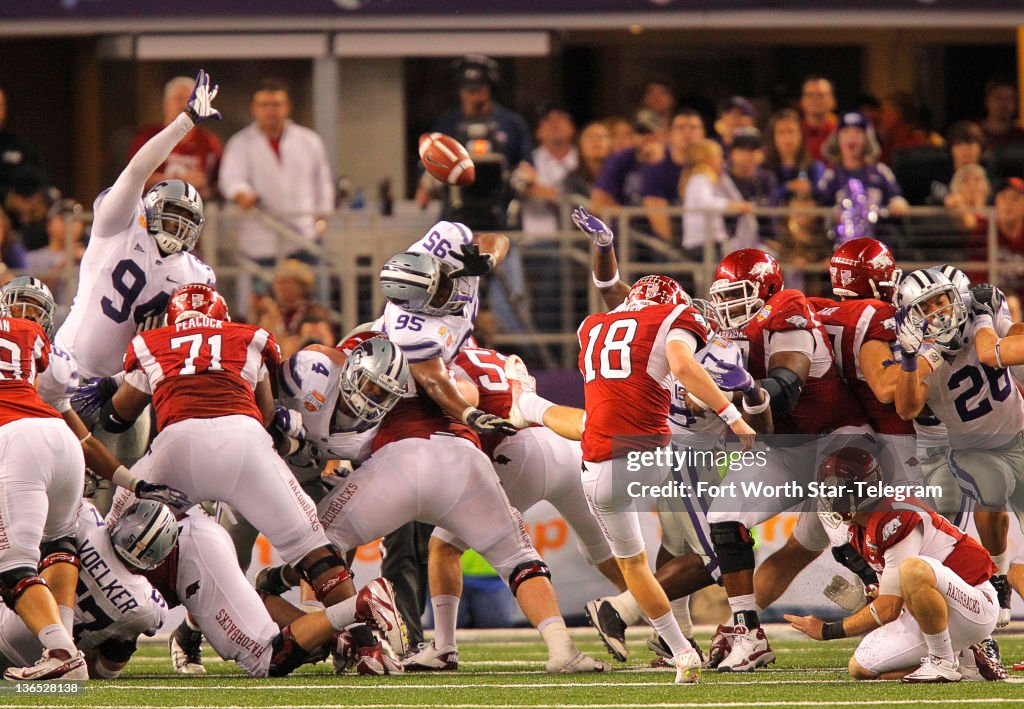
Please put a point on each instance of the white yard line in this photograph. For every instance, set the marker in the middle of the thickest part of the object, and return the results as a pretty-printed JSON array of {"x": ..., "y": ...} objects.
[{"x": 659, "y": 705}]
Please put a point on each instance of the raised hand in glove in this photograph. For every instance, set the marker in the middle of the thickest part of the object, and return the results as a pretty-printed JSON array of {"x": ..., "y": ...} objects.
[
  {"x": 200, "y": 104},
  {"x": 909, "y": 334},
  {"x": 482, "y": 422},
  {"x": 170, "y": 496},
  {"x": 593, "y": 227},
  {"x": 474, "y": 263},
  {"x": 986, "y": 299},
  {"x": 92, "y": 395}
]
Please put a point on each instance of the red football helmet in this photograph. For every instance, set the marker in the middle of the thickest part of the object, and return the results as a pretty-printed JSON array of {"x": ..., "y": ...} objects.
[
  {"x": 352, "y": 341},
  {"x": 863, "y": 268},
  {"x": 195, "y": 300},
  {"x": 656, "y": 290},
  {"x": 839, "y": 496},
  {"x": 744, "y": 281}
]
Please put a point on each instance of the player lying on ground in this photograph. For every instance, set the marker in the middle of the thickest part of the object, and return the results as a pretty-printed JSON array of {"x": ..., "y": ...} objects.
[{"x": 934, "y": 597}]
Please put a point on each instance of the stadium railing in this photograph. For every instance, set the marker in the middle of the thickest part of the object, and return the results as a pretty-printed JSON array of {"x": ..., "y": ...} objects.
[{"x": 544, "y": 290}]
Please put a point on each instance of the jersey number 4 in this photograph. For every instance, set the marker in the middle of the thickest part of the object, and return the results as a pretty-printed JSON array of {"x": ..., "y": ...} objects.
[
  {"x": 615, "y": 341},
  {"x": 195, "y": 346}
]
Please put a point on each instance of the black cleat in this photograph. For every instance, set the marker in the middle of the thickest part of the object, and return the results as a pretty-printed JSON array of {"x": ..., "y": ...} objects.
[{"x": 609, "y": 626}]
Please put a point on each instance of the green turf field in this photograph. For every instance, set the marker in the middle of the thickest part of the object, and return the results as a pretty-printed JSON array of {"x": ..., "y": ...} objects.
[{"x": 506, "y": 670}]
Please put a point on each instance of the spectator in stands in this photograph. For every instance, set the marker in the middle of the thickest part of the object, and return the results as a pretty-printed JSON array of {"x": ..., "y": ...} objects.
[
  {"x": 999, "y": 125},
  {"x": 852, "y": 153},
  {"x": 594, "y": 146},
  {"x": 900, "y": 125},
  {"x": 969, "y": 193},
  {"x": 802, "y": 242},
  {"x": 737, "y": 112},
  {"x": 659, "y": 184},
  {"x": 622, "y": 133},
  {"x": 755, "y": 184},
  {"x": 49, "y": 262},
  {"x": 658, "y": 97},
  {"x": 705, "y": 185},
  {"x": 1010, "y": 219},
  {"x": 195, "y": 159},
  {"x": 12, "y": 251},
  {"x": 290, "y": 307},
  {"x": 15, "y": 153},
  {"x": 818, "y": 104},
  {"x": 966, "y": 143},
  {"x": 618, "y": 183},
  {"x": 540, "y": 185},
  {"x": 28, "y": 201},
  {"x": 787, "y": 157},
  {"x": 281, "y": 167},
  {"x": 869, "y": 105}
]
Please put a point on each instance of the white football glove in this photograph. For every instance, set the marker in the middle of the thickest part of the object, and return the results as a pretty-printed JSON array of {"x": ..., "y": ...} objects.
[
  {"x": 200, "y": 103},
  {"x": 909, "y": 334},
  {"x": 848, "y": 596}
]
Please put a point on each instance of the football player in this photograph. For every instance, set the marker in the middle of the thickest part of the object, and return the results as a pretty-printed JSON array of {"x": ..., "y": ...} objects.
[
  {"x": 970, "y": 391},
  {"x": 40, "y": 486},
  {"x": 210, "y": 382},
  {"x": 114, "y": 604},
  {"x": 138, "y": 254},
  {"x": 934, "y": 600}
]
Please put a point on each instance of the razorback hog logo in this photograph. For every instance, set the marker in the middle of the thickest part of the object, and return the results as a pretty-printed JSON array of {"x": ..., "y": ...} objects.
[
  {"x": 761, "y": 269},
  {"x": 882, "y": 260},
  {"x": 890, "y": 528}
]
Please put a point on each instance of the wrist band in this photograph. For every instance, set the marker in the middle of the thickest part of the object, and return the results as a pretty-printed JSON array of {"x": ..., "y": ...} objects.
[
  {"x": 933, "y": 356},
  {"x": 833, "y": 631},
  {"x": 87, "y": 437},
  {"x": 999, "y": 357},
  {"x": 466, "y": 413},
  {"x": 605, "y": 248},
  {"x": 606, "y": 284},
  {"x": 729, "y": 413},
  {"x": 874, "y": 614},
  {"x": 122, "y": 477},
  {"x": 758, "y": 408},
  {"x": 909, "y": 363}
]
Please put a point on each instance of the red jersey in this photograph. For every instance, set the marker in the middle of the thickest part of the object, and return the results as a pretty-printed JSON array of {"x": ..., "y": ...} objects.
[
  {"x": 892, "y": 521},
  {"x": 419, "y": 416},
  {"x": 199, "y": 150},
  {"x": 24, "y": 352},
  {"x": 627, "y": 382},
  {"x": 849, "y": 324},
  {"x": 201, "y": 368},
  {"x": 486, "y": 369},
  {"x": 825, "y": 403}
]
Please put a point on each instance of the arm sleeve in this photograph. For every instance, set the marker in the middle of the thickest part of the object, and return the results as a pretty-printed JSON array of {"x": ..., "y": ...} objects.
[
  {"x": 792, "y": 341},
  {"x": 115, "y": 209},
  {"x": 684, "y": 336},
  {"x": 909, "y": 546}
]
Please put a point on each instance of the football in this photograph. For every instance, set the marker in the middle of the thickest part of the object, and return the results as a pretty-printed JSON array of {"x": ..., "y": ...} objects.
[{"x": 446, "y": 159}]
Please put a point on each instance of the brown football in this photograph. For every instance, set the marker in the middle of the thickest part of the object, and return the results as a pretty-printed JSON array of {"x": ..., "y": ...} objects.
[{"x": 446, "y": 159}]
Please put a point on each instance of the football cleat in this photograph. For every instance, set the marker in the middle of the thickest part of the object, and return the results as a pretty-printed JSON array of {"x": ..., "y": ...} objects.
[
  {"x": 656, "y": 645},
  {"x": 343, "y": 652},
  {"x": 721, "y": 646},
  {"x": 54, "y": 664},
  {"x": 372, "y": 660},
  {"x": 750, "y": 650},
  {"x": 981, "y": 662},
  {"x": 519, "y": 381},
  {"x": 376, "y": 606},
  {"x": 577, "y": 664},
  {"x": 1004, "y": 592},
  {"x": 687, "y": 667},
  {"x": 934, "y": 670},
  {"x": 609, "y": 626},
  {"x": 186, "y": 650},
  {"x": 430, "y": 659}
]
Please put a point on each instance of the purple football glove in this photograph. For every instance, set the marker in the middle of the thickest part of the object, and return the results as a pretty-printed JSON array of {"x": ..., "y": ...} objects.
[
  {"x": 91, "y": 396},
  {"x": 200, "y": 104},
  {"x": 732, "y": 377},
  {"x": 593, "y": 227},
  {"x": 170, "y": 496}
]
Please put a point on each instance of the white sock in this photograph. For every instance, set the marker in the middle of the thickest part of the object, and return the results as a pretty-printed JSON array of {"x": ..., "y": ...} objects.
[
  {"x": 67, "y": 617},
  {"x": 190, "y": 624},
  {"x": 1002, "y": 561},
  {"x": 629, "y": 610},
  {"x": 341, "y": 615},
  {"x": 681, "y": 611},
  {"x": 446, "y": 617},
  {"x": 940, "y": 645},
  {"x": 533, "y": 406},
  {"x": 744, "y": 610},
  {"x": 669, "y": 631},
  {"x": 557, "y": 637},
  {"x": 56, "y": 637}
]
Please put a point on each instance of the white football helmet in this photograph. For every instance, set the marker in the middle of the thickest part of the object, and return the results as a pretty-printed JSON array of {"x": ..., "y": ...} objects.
[
  {"x": 421, "y": 283},
  {"x": 174, "y": 215},
  {"x": 145, "y": 534},
  {"x": 373, "y": 379},
  {"x": 916, "y": 296},
  {"x": 28, "y": 297}
]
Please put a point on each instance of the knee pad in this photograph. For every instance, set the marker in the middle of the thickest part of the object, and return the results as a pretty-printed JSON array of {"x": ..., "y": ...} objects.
[
  {"x": 733, "y": 546},
  {"x": 59, "y": 551},
  {"x": 526, "y": 571},
  {"x": 14, "y": 582},
  {"x": 331, "y": 561},
  {"x": 287, "y": 654}
]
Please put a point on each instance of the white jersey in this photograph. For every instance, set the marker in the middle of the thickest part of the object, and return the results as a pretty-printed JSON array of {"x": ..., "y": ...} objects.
[
  {"x": 703, "y": 431},
  {"x": 980, "y": 406},
  {"x": 309, "y": 385},
  {"x": 424, "y": 337},
  {"x": 111, "y": 602},
  {"x": 58, "y": 381},
  {"x": 123, "y": 288}
]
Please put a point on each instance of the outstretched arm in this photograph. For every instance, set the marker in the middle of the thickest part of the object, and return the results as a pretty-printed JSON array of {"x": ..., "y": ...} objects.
[{"x": 605, "y": 264}]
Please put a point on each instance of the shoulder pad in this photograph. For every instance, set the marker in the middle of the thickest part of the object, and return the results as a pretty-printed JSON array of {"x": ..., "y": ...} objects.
[{"x": 306, "y": 374}]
